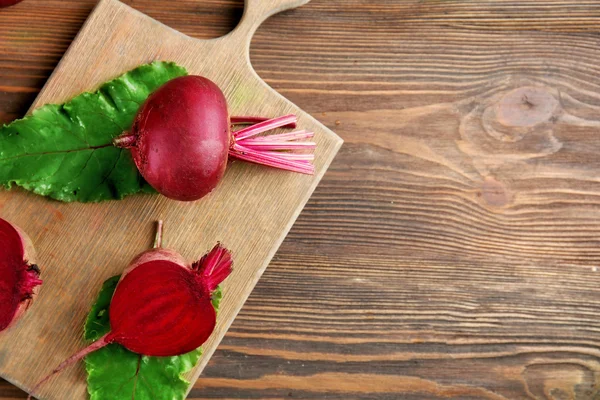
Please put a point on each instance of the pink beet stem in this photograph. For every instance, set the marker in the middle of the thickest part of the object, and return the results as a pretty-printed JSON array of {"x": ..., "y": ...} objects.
[
  {"x": 279, "y": 145},
  {"x": 282, "y": 137},
  {"x": 239, "y": 120},
  {"x": 35, "y": 282},
  {"x": 98, "y": 344},
  {"x": 259, "y": 157},
  {"x": 31, "y": 281},
  {"x": 264, "y": 126},
  {"x": 289, "y": 156},
  {"x": 159, "y": 234},
  {"x": 214, "y": 267},
  {"x": 309, "y": 170}
]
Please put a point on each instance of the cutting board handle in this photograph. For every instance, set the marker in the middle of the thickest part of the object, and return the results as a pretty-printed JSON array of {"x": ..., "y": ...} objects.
[{"x": 255, "y": 13}]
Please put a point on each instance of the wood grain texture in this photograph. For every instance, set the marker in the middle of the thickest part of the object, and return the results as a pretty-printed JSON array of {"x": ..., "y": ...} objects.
[
  {"x": 81, "y": 245},
  {"x": 452, "y": 249}
]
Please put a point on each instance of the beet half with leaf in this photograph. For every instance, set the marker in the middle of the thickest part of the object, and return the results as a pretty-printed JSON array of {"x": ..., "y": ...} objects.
[
  {"x": 19, "y": 275},
  {"x": 181, "y": 139},
  {"x": 162, "y": 305}
]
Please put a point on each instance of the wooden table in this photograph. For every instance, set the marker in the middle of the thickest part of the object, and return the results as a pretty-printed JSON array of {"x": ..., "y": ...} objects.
[{"x": 452, "y": 251}]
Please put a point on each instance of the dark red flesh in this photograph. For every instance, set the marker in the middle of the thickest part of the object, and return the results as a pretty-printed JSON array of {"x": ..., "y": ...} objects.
[
  {"x": 161, "y": 309},
  {"x": 17, "y": 278},
  {"x": 182, "y": 138},
  {"x": 7, "y": 3}
]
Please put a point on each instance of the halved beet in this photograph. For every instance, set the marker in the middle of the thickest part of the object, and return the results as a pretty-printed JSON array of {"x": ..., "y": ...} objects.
[{"x": 162, "y": 305}]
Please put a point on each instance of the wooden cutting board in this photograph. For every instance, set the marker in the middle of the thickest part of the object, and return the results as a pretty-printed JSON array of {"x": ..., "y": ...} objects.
[{"x": 81, "y": 245}]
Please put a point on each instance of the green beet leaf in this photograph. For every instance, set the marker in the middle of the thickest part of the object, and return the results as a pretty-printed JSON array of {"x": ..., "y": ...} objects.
[
  {"x": 115, "y": 373},
  {"x": 65, "y": 151}
]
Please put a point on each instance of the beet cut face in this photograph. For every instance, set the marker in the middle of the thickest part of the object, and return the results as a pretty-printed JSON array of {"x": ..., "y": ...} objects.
[
  {"x": 19, "y": 276},
  {"x": 162, "y": 305},
  {"x": 150, "y": 311}
]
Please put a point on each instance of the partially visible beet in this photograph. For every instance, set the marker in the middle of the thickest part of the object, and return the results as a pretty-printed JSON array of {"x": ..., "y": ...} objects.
[
  {"x": 181, "y": 139},
  {"x": 162, "y": 304},
  {"x": 7, "y": 3},
  {"x": 19, "y": 275}
]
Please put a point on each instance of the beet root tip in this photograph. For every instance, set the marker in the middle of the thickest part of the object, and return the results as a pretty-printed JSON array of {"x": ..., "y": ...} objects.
[
  {"x": 125, "y": 141},
  {"x": 98, "y": 344}
]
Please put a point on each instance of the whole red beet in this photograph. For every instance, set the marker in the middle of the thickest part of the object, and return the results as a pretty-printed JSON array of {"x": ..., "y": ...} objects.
[
  {"x": 181, "y": 139},
  {"x": 19, "y": 275},
  {"x": 8, "y": 3},
  {"x": 162, "y": 304}
]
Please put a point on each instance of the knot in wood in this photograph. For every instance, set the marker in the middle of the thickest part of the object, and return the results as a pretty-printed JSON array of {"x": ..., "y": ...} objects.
[
  {"x": 494, "y": 193},
  {"x": 526, "y": 107},
  {"x": 511, "y": 126}
]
